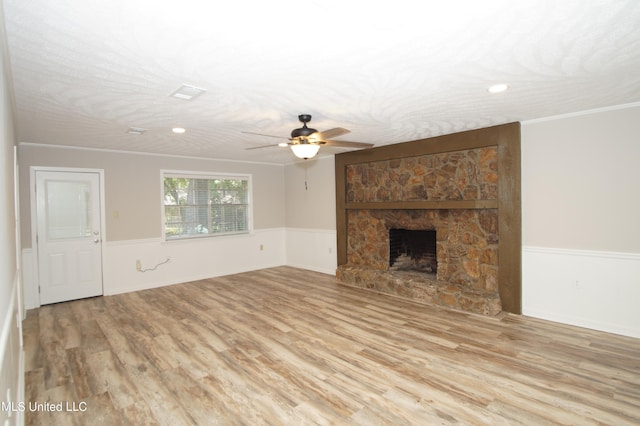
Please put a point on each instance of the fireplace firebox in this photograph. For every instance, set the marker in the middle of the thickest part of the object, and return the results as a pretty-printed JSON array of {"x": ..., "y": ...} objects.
[{"x": 413, "y": 250}]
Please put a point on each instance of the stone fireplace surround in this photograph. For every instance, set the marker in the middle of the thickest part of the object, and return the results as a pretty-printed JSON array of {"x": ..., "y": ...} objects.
[
  {"x": 467, "y": 276},
  {"x": 466, "y": 187}
]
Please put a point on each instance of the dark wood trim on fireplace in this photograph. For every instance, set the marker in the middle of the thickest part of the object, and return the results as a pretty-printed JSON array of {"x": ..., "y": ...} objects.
[
  {"x": 506, "y": 138},
  {"x": 425, "y": 205}
]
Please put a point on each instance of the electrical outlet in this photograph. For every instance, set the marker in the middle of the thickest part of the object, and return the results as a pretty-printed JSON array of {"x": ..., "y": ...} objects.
[
  {"x": 261, "y": 247},
  {"x": 138, "y": 265}
]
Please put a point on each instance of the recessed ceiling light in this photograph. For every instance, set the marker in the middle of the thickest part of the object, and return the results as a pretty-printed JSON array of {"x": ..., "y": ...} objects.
[
  {"x": 188, "y": 93},
  {"x": 178, "y": 130},
  {"x": 498, "y": 88},
  {"x": 136, "y": 130}
]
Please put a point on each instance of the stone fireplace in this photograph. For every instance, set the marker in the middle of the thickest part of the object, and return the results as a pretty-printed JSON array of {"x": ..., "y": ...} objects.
[{"x": 431, "y": 221}]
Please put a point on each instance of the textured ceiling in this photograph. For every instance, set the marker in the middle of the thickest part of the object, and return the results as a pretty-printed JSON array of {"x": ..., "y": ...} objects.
[{"x": 84, "y": 71}]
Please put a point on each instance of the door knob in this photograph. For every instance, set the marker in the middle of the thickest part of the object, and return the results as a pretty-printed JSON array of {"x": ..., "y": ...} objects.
[{"x": 97, "y": 240}]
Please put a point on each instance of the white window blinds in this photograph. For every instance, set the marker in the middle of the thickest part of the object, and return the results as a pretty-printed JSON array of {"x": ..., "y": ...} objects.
[{"x": 205, "y": 205}]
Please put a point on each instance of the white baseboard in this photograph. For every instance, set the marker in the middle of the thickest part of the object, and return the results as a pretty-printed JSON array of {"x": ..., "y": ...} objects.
[{"x": 592, "y": 289}]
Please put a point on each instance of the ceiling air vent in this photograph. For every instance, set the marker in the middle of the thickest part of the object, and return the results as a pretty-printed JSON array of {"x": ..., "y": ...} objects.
[
  {"x": 188, "y": 93},
  {"x": 136, "y": 130}
]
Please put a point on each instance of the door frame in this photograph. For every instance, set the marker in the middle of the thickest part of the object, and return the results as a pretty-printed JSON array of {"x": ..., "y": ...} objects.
[{"x": 35, "y": 290}]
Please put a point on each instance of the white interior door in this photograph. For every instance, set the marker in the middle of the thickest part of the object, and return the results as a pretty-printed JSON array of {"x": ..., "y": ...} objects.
[{"x": 68, "y": 235}]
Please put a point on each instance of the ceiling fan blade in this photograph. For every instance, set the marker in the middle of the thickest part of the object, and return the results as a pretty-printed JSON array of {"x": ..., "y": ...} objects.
[
  {"x": 269, "y": 136},
  {"x": 264, "y": 146},
  {"x": 332, "y": 133},
  {"x": 348, "y": 144}
]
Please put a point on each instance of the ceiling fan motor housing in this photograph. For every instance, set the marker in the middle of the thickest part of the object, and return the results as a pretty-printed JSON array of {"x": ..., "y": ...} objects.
[{"x": 303, "y": 131}]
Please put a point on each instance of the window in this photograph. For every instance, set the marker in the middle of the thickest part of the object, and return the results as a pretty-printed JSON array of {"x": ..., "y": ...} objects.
[{"x": 205, "y": 205}]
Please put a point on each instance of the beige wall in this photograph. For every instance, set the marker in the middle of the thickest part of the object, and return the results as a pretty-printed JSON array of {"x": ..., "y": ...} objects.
[
  {"x": 133, "y": 187},
  {"x": 7, "y": 211},
  {"x": 580, "y": 210},
  {"x": 311, "y": 194},
  {"x": 581, "y": 181}
]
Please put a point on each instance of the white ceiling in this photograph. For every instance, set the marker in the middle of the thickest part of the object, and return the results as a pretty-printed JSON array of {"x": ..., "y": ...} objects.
[{"x": 84, "y": 71}]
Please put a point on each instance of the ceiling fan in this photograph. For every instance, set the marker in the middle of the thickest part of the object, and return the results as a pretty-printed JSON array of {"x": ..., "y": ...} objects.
[{"x": 305, "y": 142}]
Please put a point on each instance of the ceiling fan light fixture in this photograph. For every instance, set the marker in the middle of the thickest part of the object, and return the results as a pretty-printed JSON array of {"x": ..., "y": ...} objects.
[{"x": 305, "y": 150}]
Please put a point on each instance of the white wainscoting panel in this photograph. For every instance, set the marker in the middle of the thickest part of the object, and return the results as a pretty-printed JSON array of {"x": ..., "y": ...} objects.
[
  {"x": 12, "y": 363},
  {"x": 596, "y": 290},
  {"x": 189, "y": 260},
  {"x": 312, "y": 249}
]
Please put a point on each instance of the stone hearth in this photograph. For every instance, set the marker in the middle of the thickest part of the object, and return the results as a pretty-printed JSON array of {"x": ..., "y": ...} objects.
[{"x": 456, "y": 191}]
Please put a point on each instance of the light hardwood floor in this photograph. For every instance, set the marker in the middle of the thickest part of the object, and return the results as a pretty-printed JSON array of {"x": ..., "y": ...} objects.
[{"x": 287, "y": 346}]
